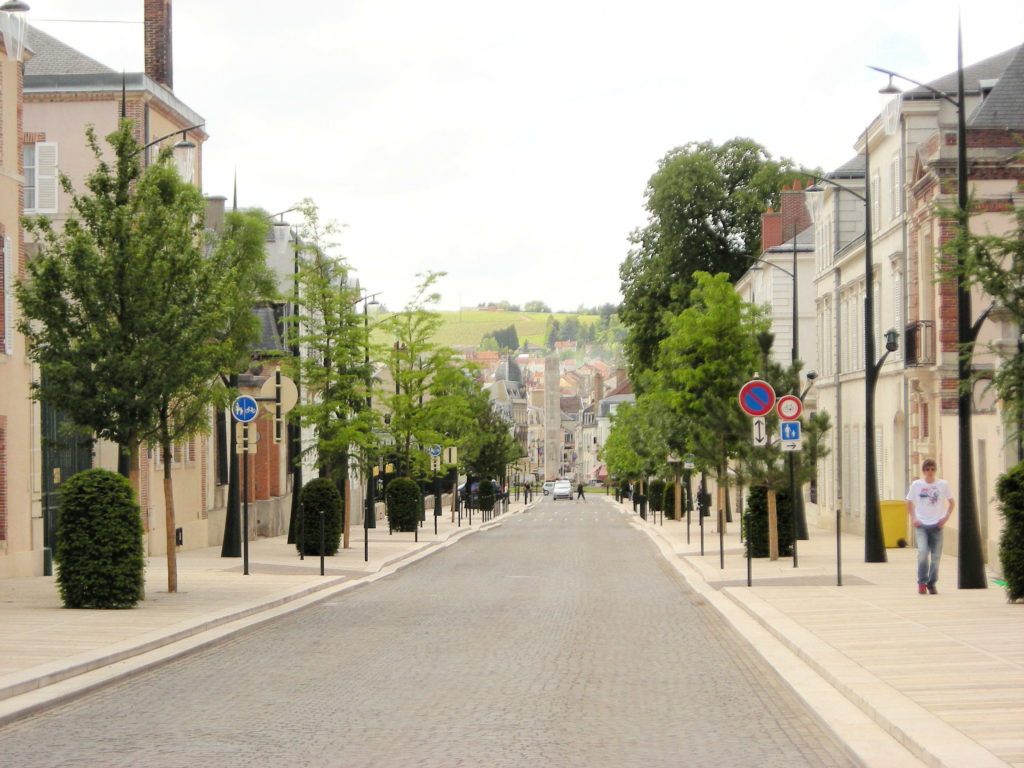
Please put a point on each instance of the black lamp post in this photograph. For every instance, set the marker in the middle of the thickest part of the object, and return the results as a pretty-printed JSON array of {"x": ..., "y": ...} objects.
[
  {"x": 971, "y": 560},
  {"x": 369, "y": 513},
  {"x": 874, "y": 542}
]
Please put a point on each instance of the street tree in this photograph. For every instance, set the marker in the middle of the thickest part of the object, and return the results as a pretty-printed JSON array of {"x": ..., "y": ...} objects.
[
  {"x": 413, "y": 362},
  {"x": 995, "y": 263},
  {"x": 332, "y": 364},
  {"x": 711, "y": 350},
  {"x": 133, "y": 312},
  {"x": 704, "y": 203}
]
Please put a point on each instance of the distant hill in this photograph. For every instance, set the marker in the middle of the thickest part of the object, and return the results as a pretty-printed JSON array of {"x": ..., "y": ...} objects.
[{"x": 465, "y": 328}]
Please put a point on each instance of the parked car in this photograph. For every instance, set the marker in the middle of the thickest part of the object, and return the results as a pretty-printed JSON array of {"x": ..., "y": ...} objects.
[
  {"x": 548, "y": 487},
  {"x": 562, "y": 490}
]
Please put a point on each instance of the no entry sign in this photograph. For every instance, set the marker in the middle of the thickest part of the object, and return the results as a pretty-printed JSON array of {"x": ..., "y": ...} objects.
[{"x": 757, "y": 398}]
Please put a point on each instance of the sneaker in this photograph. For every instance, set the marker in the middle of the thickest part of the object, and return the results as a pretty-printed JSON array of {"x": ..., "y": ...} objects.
[
  {"x": 922, "y": 589},
  {"x": 932, "y": 590}
]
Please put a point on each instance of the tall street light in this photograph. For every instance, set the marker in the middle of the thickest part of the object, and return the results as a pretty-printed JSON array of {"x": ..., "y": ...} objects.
[
  {"x": 971, "y": 561},
  {"x": 874, "y": 541},
  {"x": 369, "y": 513}
]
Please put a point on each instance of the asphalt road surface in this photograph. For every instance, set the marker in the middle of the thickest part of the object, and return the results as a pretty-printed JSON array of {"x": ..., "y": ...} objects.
[{"x": 560, "y": 638}]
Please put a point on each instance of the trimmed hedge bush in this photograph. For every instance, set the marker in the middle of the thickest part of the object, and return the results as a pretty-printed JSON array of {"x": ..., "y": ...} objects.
[
  {"x": 403, "y": 503},
  {"x": 99, "y": 542},
  {"x": 669, "y": 503},
  {"x": 755, "y": 518},
  {"x": 1010, "y": 490},
  {"x": 488, "y": 494},
  {"x": 656, "y": 495},
  {"x": 319, "y": 495}
]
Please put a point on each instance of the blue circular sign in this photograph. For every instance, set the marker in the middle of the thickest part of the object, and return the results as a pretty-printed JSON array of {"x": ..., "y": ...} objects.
[
  {"x": 757, "y": 398},
  {"x": 244, "y": 409}
]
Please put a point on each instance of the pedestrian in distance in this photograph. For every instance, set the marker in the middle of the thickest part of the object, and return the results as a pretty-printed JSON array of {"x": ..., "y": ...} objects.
[
  {"x": 929, "y": 504},
  {"x": 580, "y": 494}
]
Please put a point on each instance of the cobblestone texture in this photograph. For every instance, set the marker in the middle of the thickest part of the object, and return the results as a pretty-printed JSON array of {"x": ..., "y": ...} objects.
[{"x": 560, "y": 638}]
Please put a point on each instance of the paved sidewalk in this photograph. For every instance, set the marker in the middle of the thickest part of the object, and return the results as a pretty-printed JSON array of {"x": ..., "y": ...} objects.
[
  {"x": 943, "y": 674},
  {"x": 49, "y": 654}
]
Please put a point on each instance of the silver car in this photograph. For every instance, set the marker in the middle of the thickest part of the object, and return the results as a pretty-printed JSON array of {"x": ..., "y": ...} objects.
[
  {"x": 562, "y": 490},
  {"x": 548, "y": 487}
]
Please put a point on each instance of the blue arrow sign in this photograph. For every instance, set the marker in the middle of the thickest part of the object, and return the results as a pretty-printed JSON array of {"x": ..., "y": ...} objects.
[
  {"x": 244, "y": 409},
  {"x": 789, "y": 430}
]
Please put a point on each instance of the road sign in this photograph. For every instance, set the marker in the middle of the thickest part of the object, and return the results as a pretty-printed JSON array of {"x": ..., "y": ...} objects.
[
  {"x": 760, "y": 431},
  {"x": 244, "y": 409},
  {"x": 451, "y": 455},
  {"x": 688, "y": 461},
  {"x": 789, "y": 431},
  {"x": 434, "y": 450},
  {"x": 289, "y": 394},
  {"x": 790, "y": 445},
  {"x": 789, "y": 408},
  {"x": 757, "y": 398},
  {"x": 435, "y": 463},
  {"x": 246, "y": 438}
]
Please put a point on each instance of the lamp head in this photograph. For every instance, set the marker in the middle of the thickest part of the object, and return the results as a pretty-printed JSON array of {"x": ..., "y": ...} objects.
[
  {"x": 891, "y": 89},
  {"x": 14, "y": 6},
  {"x": 892, "y": 340},
  {"x": 811, "y": 375}
]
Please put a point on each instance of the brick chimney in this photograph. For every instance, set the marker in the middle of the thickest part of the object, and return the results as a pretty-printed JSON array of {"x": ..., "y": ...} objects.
[
  {"x": 598, "y": 388},
  {"x": 771, "y": 229},
  {"x": 158, "y": 42},
  {"x": 793, "y": 208}
]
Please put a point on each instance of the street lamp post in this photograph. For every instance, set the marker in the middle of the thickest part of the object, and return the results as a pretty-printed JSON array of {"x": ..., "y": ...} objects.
[
  {"x": 370, "y": 512},
  {"x": 971, "y": 560},
  {"x": 874, "y": 542}
]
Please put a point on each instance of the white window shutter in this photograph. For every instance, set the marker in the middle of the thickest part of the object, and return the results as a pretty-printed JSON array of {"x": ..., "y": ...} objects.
[{"x": 46, "y": 177}]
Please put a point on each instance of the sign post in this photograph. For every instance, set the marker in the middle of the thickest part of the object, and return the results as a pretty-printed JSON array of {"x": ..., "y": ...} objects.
[{"x": 244, "y": 410}]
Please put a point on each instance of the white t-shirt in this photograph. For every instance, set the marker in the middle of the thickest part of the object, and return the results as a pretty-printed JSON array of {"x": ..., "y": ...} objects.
[{"x": 930, "y": 500}]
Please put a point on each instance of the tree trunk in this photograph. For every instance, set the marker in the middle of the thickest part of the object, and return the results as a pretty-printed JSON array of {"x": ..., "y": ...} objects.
[
  {"x": 773, "y": 527},
  {"x": 172, "y": 560}
]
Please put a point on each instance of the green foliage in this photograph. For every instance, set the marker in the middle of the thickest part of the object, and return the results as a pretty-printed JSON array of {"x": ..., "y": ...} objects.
[
  {"x": 504, "y": 338},
  {"x": 669, "y": 502},
  {"x": 321, "y": 497},
  {"x": 536, "y": 306},
  {"x": 705, "y": 204},
  {"x": 99, "y": 543},
  {"x": 404, "y": 501},
  {"x": 755, "y": 518},
  {"x": 334, "y": 337},
  {"x": 656, "y": 494},
  {"x": 1010, "y": 490},
  {"x": 487, "y": 493},
  {"x": 996, "y": 264}
]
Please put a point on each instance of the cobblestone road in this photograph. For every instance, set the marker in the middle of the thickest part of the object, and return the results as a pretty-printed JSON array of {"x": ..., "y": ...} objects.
[{"x": 560, "y": 638}]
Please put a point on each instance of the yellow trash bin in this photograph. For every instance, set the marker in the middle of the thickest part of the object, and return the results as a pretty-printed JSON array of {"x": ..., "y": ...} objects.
[{"x": 894, "y": 522}]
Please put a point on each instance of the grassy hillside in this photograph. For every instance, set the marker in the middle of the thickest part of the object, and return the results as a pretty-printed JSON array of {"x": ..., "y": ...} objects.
[{"x": 467, "y": 327}]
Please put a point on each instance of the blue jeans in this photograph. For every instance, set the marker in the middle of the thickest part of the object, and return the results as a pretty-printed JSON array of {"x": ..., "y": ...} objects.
[{"x": 929, "y": 550}]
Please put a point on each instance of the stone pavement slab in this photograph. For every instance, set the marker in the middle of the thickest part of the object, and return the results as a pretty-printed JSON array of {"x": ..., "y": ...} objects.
[
  {"x": 43, "y": 644},
  {"x": 943, "y": 674}
]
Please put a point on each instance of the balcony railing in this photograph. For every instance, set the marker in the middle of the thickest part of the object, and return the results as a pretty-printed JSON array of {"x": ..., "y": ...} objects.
[{"x": 920, "y": 343}]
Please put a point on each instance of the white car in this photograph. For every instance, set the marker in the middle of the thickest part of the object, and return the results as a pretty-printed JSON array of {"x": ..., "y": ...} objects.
[
  {"x": 562, "y": 490},
  {"x": 548, "y": 487}
]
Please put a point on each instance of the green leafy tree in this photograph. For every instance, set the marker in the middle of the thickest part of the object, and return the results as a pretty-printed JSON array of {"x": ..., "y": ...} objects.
[
  {"x": 705, "y": 203},
  {"x": 710, "y": 352},
  {"x": 133, "y": 313},
  {"x": 489, "y": 446},
  {"x": 536, "y": 306},
  {"x": 333, "y": 339},
  {"x": 413, "y": 362},
  {"x": 995, "y": 263}
]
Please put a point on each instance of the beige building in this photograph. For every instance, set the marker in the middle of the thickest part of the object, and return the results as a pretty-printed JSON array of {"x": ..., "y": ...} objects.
[
  {"x": 911, "y": 169},
  {"x": 20, "y": 523}
]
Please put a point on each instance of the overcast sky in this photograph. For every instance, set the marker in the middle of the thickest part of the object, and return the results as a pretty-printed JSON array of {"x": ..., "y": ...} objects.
[{"x": 509, "y": 145}]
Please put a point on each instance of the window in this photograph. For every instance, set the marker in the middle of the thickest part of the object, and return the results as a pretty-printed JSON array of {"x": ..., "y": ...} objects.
[
  {"x": 40, "y": 166},
  {"x": 896, "y": 189},
  {"x": 876, "y": 202},
  {"x": 8, "y": 297}
]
